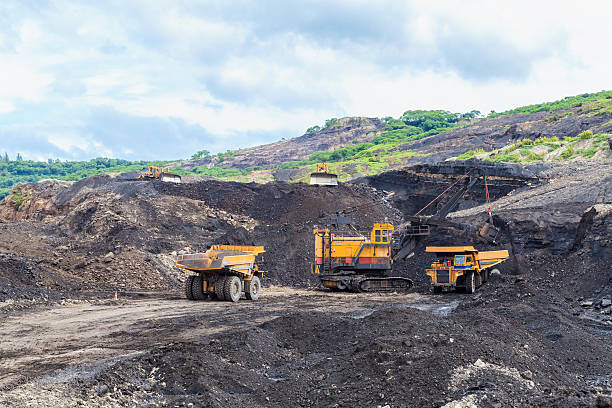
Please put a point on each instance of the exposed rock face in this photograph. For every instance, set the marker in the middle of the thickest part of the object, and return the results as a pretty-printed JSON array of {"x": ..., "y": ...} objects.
[
  {"x": 491, "y": 134},
  {"x": 345, "y": 132},
  {"x": 34, "y": 200}
]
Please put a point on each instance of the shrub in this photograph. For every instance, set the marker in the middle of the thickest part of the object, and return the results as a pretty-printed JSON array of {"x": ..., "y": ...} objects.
[
  {"x": 587, "y": 134},
  {"x": 545, "y": 140},
  {"x": 568, "y": 153}
]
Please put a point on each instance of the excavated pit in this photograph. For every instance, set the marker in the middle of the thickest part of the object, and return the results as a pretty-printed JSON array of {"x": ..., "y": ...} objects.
[{"x": 65, "y": 252}]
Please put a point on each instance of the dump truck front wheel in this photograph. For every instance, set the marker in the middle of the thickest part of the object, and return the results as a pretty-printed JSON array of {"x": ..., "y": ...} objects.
[
  {"x": 197, "y": 289},
  {"x": 233, "y": 288},
  {"x": 219, "y": 286},
  {"x": 188, "y": 286},
  {"x": 252, "y": 288},
  {"x": 470, "y": 282}
]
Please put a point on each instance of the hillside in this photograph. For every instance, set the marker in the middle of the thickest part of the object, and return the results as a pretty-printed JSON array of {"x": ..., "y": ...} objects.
[{"x": 357, "y": 146}]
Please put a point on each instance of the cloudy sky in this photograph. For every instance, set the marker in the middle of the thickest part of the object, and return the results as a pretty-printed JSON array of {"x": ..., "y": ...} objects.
[{"x": 161, "y": 79}]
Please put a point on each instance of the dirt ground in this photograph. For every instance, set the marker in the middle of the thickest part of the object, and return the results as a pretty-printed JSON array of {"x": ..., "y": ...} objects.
[{"x": 297, "y": 348}]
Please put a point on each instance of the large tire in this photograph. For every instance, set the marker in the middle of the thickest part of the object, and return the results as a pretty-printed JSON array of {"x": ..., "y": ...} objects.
[
  {"x": 477, "y": 279},
  {"x": 470, "y": 282},
  {"x": 232, "y": 288},
  {"x": 437, "y": 289},
  {"x": 197, "y": 289},
  {"x": 188, "y": 287},
  {"x": 219, "y": 287},
  {"x": 252, "y": 288}
]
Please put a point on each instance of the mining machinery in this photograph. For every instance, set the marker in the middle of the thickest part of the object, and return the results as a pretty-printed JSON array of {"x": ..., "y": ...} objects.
[
  {"x": 223, "y": 272},
  {"x": 159, "y": 173},
  {"x": 462, "y": 267},
  {"x": 361, "y": 264},
  {"x": 323, "y": 177}
]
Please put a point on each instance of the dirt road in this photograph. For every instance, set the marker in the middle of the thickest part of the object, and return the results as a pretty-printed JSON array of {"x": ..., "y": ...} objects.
[{"x": 75, "y": 340}]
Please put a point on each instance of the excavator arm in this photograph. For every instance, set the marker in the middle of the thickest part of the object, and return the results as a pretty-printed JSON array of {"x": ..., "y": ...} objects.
[{"x": 412, "y": 232}]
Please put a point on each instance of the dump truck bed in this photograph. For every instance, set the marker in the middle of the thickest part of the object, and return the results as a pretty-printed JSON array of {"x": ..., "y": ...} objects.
[{"x": 237, "y": 258}]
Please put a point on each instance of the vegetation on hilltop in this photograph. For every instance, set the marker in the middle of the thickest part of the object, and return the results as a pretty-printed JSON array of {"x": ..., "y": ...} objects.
[
  {"x": 545, "y": 148},
  {"x": 566, "y": 103},
  {"x": 13, "y": 172}
]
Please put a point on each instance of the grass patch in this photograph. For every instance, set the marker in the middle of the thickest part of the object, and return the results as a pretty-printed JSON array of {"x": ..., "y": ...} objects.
[
  {"x": 600, "y": 98},
  {"x": 469, "y": 154}
]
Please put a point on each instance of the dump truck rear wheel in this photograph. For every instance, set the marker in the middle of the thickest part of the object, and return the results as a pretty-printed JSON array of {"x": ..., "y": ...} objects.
[
  {"x": 219, "y": 285},
  {"x": 437, "y": 289},
  {"x": 252, "y": 289},
  {"x": 188, "y": 286},
  {"x": 197, "y": 289},
  {"x": 470, "y": 283},
  {"x": 232, "y": 288},
  {"x": 477, "y": 279},
  {"x": 485, "y": 275}
]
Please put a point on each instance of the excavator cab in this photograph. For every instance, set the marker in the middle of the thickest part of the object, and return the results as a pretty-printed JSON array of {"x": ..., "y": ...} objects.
[{"x": 381, "y": 233}]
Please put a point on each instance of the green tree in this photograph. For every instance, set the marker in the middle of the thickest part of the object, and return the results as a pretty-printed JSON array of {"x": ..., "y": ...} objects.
[
  {"x": 313, "y": 129},
  {"x": 330, "y": 122},
  {"x": 432, "y": 119},
  {"x": 200, "y": 154}
]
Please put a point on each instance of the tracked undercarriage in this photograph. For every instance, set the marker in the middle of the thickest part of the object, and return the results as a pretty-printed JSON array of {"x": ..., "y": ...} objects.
[{"x": 363, "y": 283}]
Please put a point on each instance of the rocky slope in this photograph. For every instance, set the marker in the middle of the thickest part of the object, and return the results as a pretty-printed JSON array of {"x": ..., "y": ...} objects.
[{"x": 345, "y": 131}]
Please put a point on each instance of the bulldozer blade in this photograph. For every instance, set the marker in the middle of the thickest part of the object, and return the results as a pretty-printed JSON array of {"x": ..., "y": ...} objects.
[
  {"x": 170, "y": 178},
  {"x": 323, "y": 179}
]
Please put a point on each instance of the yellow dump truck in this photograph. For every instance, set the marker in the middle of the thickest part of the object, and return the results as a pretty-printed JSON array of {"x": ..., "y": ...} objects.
[
  {"x": 356, "y": 263},
  {"x": 462, "y": 267},
  {"x": 223, "y": 272}
]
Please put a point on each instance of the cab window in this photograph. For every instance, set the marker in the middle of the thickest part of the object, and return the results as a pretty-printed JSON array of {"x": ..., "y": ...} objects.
[
  {"x": 459, "y": 259},
  {"x": 377, "y": 236},
  {"x": 385, "y": 236}
]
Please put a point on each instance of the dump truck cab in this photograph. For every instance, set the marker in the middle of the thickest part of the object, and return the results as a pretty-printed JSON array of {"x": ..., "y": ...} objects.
[{"x": 462, "y": 267}]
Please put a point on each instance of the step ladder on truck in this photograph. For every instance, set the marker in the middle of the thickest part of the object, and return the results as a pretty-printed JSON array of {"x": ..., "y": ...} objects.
[
  {"x": 224, "y": 272},
  {"x": 462, "y": 267}
]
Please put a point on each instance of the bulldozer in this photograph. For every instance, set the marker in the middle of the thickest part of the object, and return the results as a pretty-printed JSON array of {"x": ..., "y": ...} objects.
[
  {"x": 462, "y": 267},
  {"x": 322, "y": 176},
  {"x": 159, "y": 173},
  {"x": 224, "y": 272}
]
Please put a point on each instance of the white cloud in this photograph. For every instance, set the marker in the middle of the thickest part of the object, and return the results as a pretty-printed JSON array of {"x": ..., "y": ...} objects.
[{"x": 237, "y": 74}]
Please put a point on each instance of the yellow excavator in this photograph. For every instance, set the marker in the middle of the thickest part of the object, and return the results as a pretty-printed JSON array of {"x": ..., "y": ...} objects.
[{"x": 357, "y": 263}]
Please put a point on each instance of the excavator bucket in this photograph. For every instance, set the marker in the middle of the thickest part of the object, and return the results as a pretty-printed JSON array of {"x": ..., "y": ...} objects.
[
  {"x": 488, "y": 232},
  {"x": 322, "y": 176}
]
